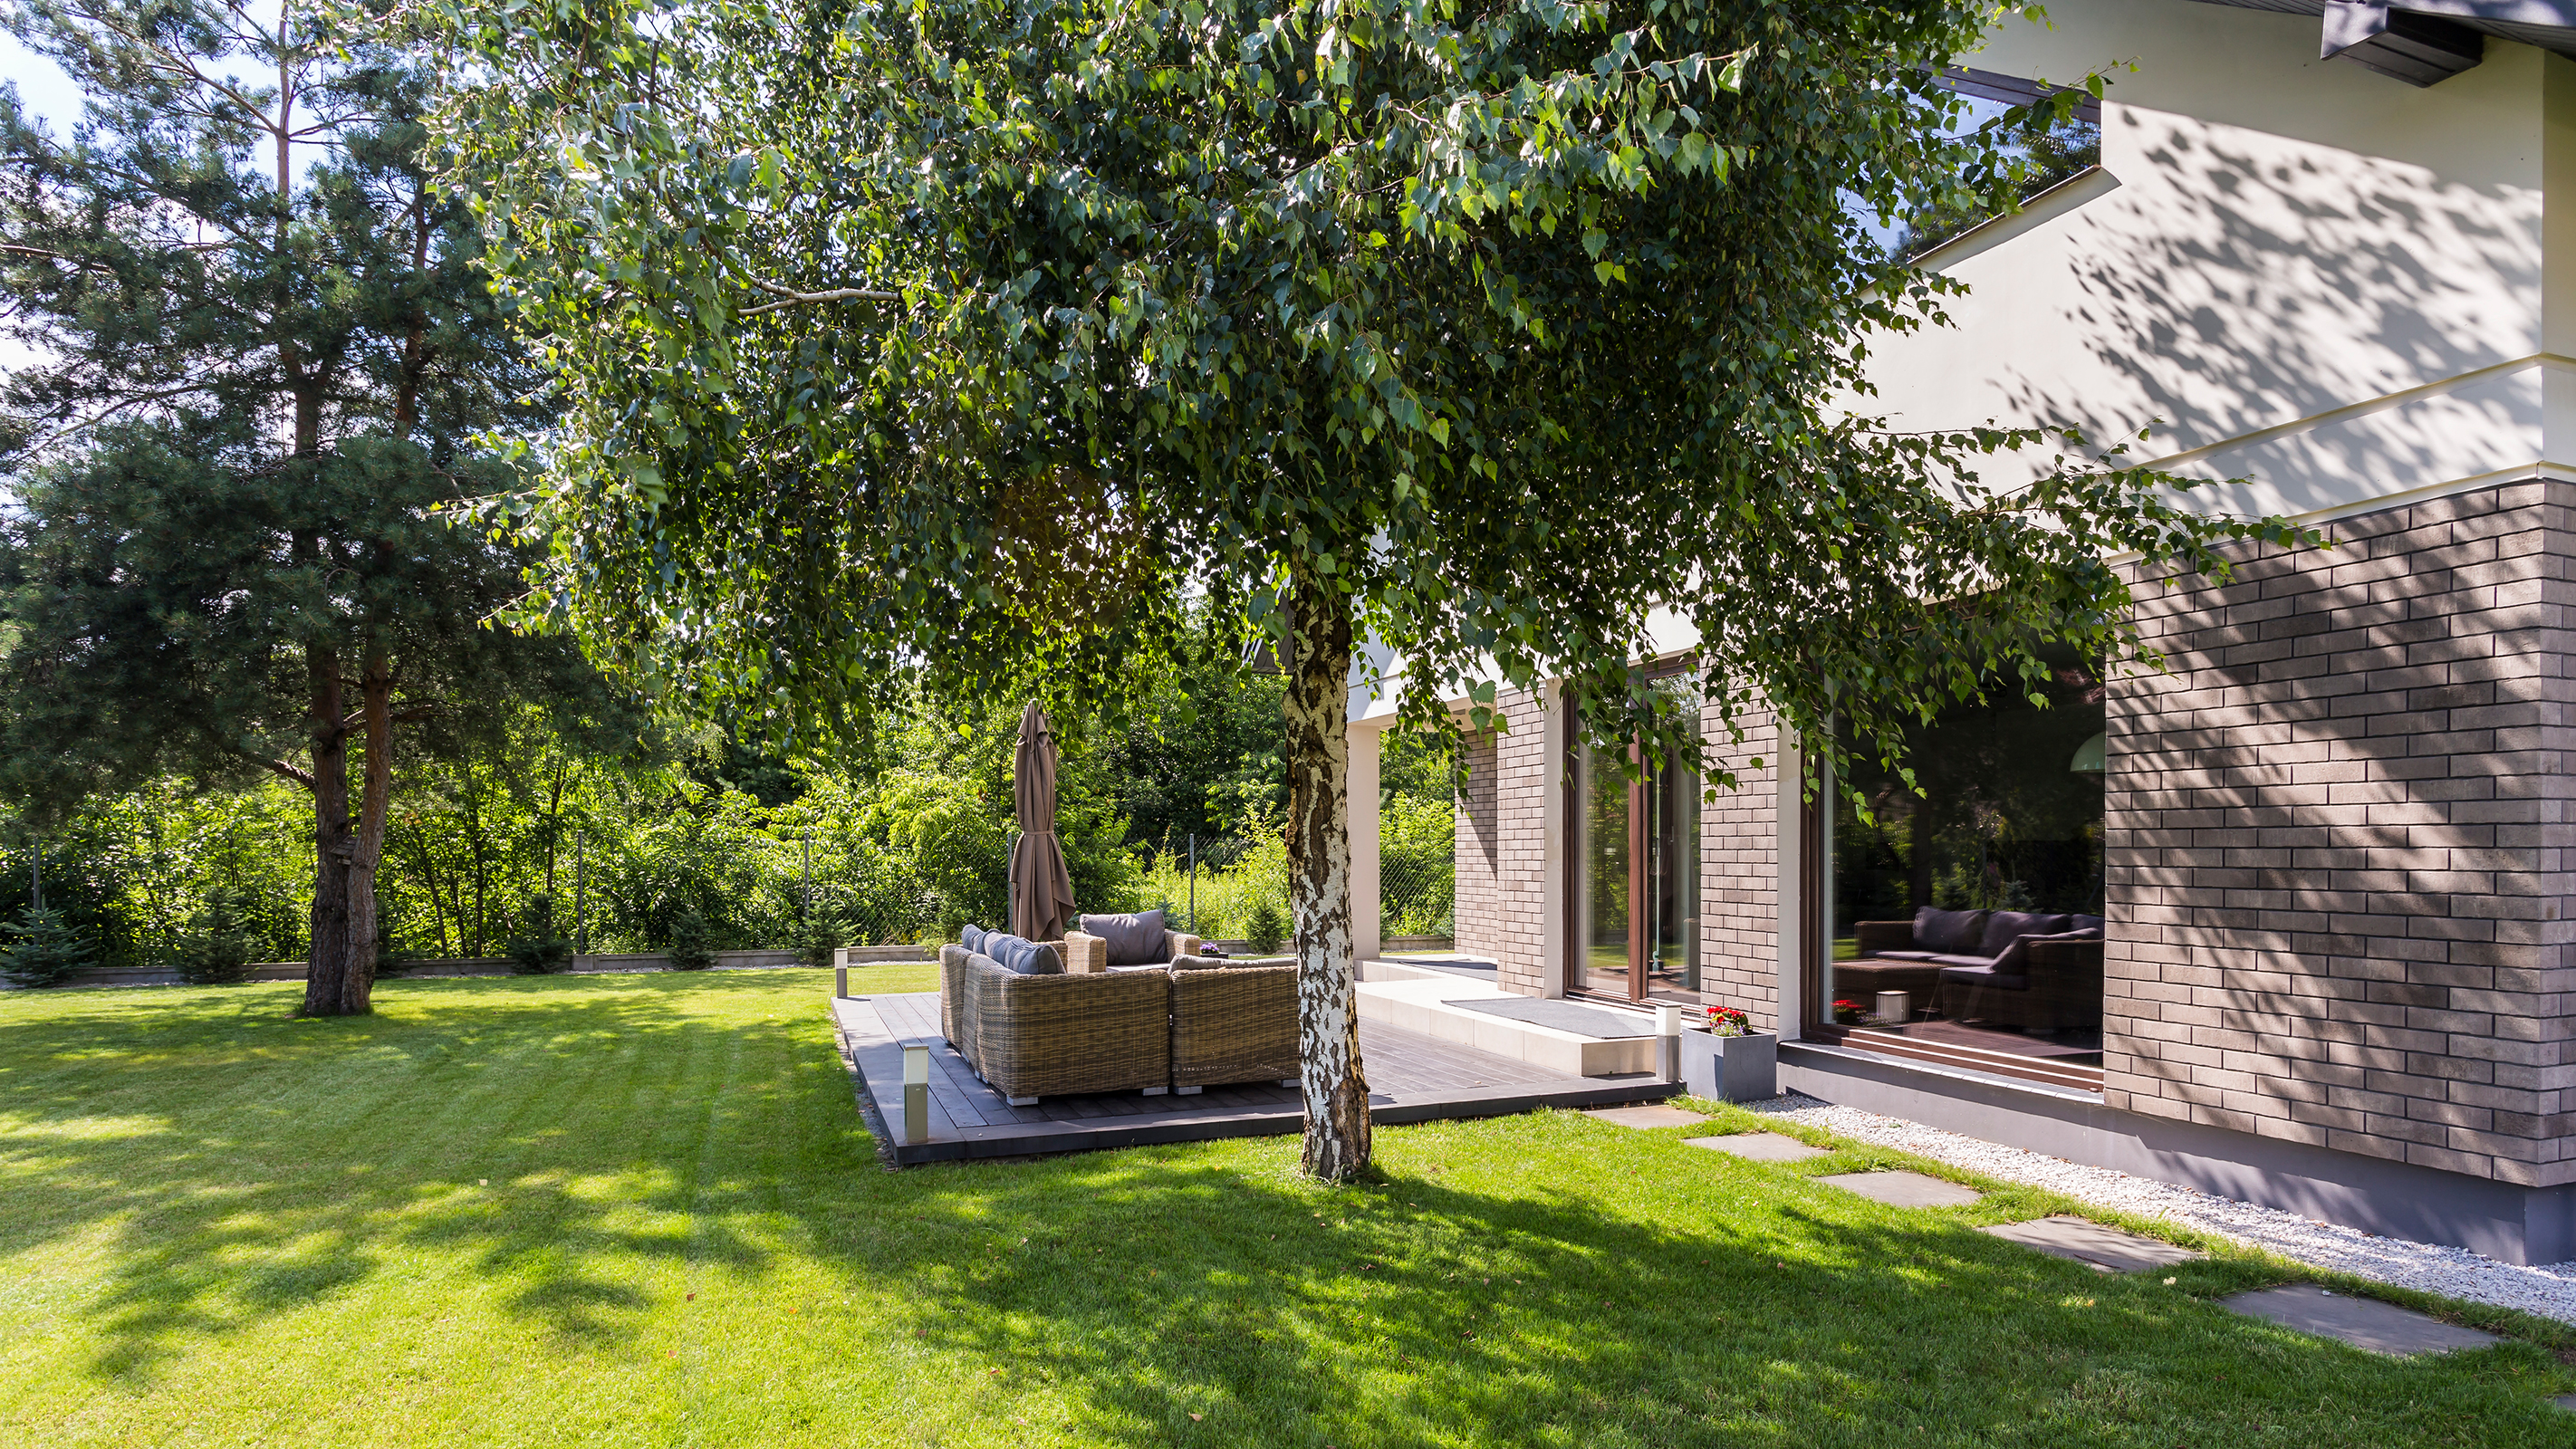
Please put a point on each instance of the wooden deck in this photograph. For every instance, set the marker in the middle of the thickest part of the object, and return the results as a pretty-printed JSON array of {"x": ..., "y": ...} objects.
[{"x": 1412, "y": 1078}]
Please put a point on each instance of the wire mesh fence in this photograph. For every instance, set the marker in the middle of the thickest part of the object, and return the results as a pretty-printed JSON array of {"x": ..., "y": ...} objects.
[{"x": 1218, "y": 886}]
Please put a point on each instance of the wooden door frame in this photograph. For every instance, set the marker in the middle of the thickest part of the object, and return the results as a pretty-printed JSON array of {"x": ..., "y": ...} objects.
[{"x": 1578, "y": 962}]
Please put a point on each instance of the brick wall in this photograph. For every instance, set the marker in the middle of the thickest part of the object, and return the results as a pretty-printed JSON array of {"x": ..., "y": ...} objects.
[
  {"x": 1478, "y": 915},
  {"x": 2339, "y": 834},
  {"x": 1739, "y": 877},
  {"x": 1523, "y": 776},
  {"x": 1502, "y": 845}
]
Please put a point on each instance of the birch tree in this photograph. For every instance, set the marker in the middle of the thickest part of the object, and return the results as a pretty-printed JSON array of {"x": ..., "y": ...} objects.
[{"x": 987, "y": 332}]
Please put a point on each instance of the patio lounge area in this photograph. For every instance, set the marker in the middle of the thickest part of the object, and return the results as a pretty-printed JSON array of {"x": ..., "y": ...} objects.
[{"x": 1413, "y": 1077}]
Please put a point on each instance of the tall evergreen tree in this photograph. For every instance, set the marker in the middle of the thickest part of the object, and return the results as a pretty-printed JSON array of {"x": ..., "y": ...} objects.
[{"x": 262, "y": 352}]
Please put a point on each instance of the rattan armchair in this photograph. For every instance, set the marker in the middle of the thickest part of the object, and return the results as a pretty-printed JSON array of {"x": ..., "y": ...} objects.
[
  {"x": 1085, "y": 954},
  {"x": 1232, "y": 1024},
  {"x": 1059, "y": 1034}
]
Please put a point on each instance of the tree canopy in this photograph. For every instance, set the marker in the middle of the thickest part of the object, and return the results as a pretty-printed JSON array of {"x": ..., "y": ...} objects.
[{"x": 990, "y": 332}]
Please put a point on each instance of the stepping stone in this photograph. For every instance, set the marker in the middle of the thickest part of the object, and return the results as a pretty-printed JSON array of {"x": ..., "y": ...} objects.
[
  {"x": 2566, "y": 1401},
  {"x": 1758, "y": 1147},
  {"x": 1904, "y": 1189},
  {"x": 2364, "y": 1323},
  {"x": 2108, "y": 1249},
  {"x": 1646, "y": 1116}
]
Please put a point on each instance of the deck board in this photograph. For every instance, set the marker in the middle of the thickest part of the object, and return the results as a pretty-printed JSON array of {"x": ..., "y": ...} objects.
[{"x": 1412, "y": 1078}]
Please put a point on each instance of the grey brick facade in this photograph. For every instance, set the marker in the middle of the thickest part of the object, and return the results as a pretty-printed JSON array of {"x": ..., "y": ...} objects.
[
  {"x": 1502, "y": 845},
  {"x": 1739, "y": 877},
  {"x": 2339, "y": 832},
  {"x": 1478, "y": 915}
]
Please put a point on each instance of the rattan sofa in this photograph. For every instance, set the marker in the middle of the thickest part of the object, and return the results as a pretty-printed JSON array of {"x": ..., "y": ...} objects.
[
  {"x": 1232, "y": 1023},
  {"x": 1198, "y": 1023},
  {"x": 1061, "y": 1033}
]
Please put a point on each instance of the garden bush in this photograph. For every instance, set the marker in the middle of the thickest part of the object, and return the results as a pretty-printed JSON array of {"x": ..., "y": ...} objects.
[
  {"x": 41, "y": 949},
  {"x": 218, "y": 952}
]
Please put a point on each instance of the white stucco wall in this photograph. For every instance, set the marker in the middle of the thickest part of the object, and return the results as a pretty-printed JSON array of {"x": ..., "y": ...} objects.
[{"x": 2335, "y": 285}]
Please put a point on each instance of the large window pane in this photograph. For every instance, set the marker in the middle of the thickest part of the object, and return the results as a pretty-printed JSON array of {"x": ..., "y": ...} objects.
[{"x": 2005, "y": 838}]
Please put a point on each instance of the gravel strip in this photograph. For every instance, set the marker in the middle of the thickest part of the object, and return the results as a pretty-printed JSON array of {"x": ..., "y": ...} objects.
[{"x": 2453, "y": 1272}]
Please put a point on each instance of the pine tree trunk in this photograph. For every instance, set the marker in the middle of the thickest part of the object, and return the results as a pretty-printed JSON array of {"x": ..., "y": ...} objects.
[
  {"x": 367, "y": 847},
  {"x": 326, "y": 971},
  {"x": 1319, "y": 880}
]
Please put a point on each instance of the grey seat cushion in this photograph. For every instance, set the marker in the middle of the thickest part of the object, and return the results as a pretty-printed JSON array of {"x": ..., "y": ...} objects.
[
  {"x": 2089, "y": 925},
  {"x": 2003, "y": 927},
  {"x": 1136, "y": 939},
  {"x": 1949, "y": 932},
  {"x": 1984, "y": 976},
  {"x": 2016, "y": 954},
  {"x": 1954, "y": 960},
  {"x": 1900, "y": 956}
]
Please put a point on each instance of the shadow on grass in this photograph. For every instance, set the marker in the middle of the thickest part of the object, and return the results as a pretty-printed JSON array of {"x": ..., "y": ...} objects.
[{"x": 1536, "y": 1280}]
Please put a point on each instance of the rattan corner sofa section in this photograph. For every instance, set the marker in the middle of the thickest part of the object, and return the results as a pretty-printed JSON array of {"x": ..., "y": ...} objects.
[{"x": 1195, "y": 1024}]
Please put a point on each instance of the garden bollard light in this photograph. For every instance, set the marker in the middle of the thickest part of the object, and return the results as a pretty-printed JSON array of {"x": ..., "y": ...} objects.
[
  {"x": 916, "y": 1094},
  {"x": 840, "y": 981},
  {"x": 1668, "y": 1042}
]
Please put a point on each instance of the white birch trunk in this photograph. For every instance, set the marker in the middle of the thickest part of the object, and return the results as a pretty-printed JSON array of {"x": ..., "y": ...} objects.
[{"x": 1319, "y": 880}]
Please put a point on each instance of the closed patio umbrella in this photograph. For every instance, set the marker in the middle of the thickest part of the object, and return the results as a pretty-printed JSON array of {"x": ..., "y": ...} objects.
[{"x": 1041, "y": 889}]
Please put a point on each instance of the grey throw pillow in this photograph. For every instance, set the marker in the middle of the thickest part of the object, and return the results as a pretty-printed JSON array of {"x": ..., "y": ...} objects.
[
  {"x": 2005, "y": 927},
  {"x": 1134, "y": 940},
  {"x": 1024, "y": 956},
  {"x": 972, "y": 938},
  {"x": 1953, "y": 932}
]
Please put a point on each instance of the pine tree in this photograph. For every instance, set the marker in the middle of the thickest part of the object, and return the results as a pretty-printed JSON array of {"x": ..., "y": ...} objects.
[
  {"x": 41, "y": 949},
  {"x": 263, "y": 354}
]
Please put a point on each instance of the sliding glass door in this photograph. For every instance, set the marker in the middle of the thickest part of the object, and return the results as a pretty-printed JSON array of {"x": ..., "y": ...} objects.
[{"x": 1636, "y": 878}]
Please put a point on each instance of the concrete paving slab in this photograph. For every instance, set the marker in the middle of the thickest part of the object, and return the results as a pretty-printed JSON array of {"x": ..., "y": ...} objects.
[
  {"x": 2364, "y": 1323},
  {"x": 2566, "y": 1401},
  {"x": 1758, "y": 1147},
  {"x": 1904, "y": 1189},
  {"x": 1648, "y": 1116},
  {"x": 2086, "y": 1241}
]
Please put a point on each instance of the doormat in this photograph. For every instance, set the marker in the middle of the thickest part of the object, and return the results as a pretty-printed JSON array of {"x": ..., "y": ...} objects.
[{"x": 1591, "y": 1021}]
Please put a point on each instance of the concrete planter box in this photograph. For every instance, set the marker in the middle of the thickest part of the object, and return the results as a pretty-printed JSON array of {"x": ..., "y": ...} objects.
[{"x": 1731, "y": 1068}]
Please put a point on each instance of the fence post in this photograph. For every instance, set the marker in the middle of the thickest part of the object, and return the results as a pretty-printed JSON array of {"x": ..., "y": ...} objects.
[{"x": 580, "y": 897}]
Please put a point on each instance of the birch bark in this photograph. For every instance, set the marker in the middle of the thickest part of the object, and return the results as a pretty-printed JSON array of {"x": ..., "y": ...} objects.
[{"x": 1319, "y": 879}]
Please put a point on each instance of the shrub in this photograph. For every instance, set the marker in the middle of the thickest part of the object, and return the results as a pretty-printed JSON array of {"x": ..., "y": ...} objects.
[
  {"x": 539, "y": 950},
  {"x": 824, "y": 931},
  {"x": 218, "y": 951},
  {"x": 41, "y": 949},
  {"x": 693, "y": 941},
  {"x": 1265, "y": 927}
]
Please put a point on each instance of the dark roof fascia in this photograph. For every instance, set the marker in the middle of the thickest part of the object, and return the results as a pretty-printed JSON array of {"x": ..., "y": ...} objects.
[{"x": 2547, "y": 24}]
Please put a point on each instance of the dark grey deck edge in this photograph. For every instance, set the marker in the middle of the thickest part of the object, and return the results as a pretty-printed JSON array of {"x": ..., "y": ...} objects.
[{"x": 875, "y": 1057}]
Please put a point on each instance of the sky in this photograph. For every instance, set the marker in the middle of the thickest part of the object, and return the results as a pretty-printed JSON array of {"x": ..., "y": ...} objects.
[{"x": 42, "y": 87}]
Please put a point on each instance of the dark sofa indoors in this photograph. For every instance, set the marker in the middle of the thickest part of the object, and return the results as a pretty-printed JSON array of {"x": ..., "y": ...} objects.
[{"x": 2036, "y": 970}]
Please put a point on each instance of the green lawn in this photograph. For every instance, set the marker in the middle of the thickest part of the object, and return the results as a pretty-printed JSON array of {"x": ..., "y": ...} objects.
[{"x": 642, "y": 1210}]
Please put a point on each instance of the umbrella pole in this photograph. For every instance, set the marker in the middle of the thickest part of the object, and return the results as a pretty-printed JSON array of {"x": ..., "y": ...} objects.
[{"x": 1194, "y": 883}]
